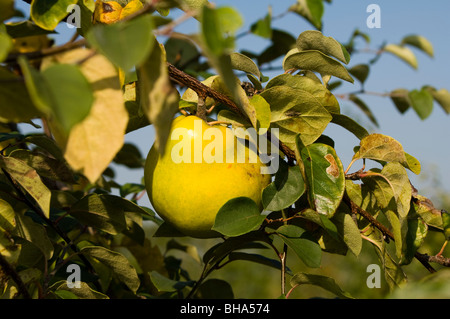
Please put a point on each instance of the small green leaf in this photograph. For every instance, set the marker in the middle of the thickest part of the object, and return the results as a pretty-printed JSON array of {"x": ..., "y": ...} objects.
[
  {"x": 324, "y": 282},
  {"x": 262, "y": 109},
  {"x": 238, "y": 216},
  {"x": 304, "y": 247},
  {"x": 348, "y": 230},
  {"x": 242, "y": 62},
  {"x": 419, "y": 42},
  {"x": 7, "y": 221},
  {"x": 441, "y": 96},
  {"x": 287, "y": 188},
  {"x": 315, "y": 40},
  {"x": 165, "y": 284},
  {"x": 311, "y": 10},
  {"x": 119, "y": 265},
  {"x": 6, "y": 44},
  {"x": 316, "y": 61},
  {"x": 105, "y": 212},
  {"x": 422, "y": 102},
  {"x": 125, "y": 44},
  {"x": 360, "y": 72},
  {"x": 324, "y": 177},
  {"x": 262, "y": 27},
  {"x": 61, "y": 289},
  {"x": 401, "y": 99},
  {"x": 47, "y": 14},
  {"x": 446, "y": 224},
  {"x": 215, "y": 289},
  {"x": 404, "y": 53},
  {"x": 417, "y": 231},
  {"x": 256, "y": 258}
]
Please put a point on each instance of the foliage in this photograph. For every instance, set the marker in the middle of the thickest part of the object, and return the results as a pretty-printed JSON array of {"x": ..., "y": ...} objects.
[{"x": 60, "y": 204}]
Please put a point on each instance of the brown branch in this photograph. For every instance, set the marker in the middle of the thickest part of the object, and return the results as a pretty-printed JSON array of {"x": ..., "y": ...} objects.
[{"x": 423, "y": 259}]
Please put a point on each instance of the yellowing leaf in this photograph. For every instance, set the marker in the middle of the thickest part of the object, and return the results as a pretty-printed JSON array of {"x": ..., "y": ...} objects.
[
  {"x": 93, "y": 143},
  {"x": 403, "y": 53}
]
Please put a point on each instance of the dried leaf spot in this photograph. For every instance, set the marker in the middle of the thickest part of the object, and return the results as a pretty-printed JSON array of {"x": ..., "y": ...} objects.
[
  {"x": 31, "y": 174},
  {"x": 333, "y": 169},
  {"x": 107, "y": 7},
  {"x": 292, "y": 113}
]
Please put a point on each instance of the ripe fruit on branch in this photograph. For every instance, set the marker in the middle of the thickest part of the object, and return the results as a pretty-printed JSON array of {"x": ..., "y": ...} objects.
[{"x": 201, "y": 169}]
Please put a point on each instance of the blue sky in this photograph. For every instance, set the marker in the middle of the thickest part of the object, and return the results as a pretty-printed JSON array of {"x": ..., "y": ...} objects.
[{"x": 427, "y": 140}]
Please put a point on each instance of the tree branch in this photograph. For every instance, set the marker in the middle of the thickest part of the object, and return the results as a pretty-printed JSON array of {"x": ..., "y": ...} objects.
[
  {"x": 423, "y": 259},
  {"x": 9, "y": 271}
]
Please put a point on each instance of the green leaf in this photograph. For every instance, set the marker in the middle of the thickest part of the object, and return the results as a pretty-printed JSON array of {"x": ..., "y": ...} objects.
[
  {"x": 126, "y": 44},
  {"x": 259, "y": 259},
  {"x": 61, "y": 91},
  {"x": 215, "y": 289},
  {"x": 263, "y": 114},
  {"x": 381, "y": 148},
  {"x": 417, "y": 231},
  {"x": 61, "y": 289},
  {"x": 218, "y": 27},
  {"x": 305, "y": 248},
  {"x": 324, "y": 177},
  {"x": 446, "y": 224},
  {"x": 363, "y": 107},
  {"x": 35, "y": 233},
  {"x": 317, "y": 89},
  {"x": 412, "y": 164},
  {"x": 360, "y": 72},
  {"x": 422, "y": 102},
  {"x": 295, "y": 111},
  {"x": 285, "y": 190},
  {"x": 242, "y": 62},
  {"x": 419, "y": 42},
  {"x": 45, "y": 166},
  {"x": 163, "y": 283},
  {"x": 104, "y": 212},
  {"x": 348, "y": 230},
  {"x": 47, "y": 14},
  {"x": 324, "y": 282},
  {"x": 350, "y": 125},
  {"x": 263, "y": 27},
  {"x": 29, "y": 180},
  {"x": 6, "y": 10},
  {"x": 71, "y": 94},
  {"x": 238, "y": 216},
  {"x": 316, "y": 61},
  {"x": 404, "y": 53},
  {"x": 441, "y": 96},
  {"x": 311, "y": 10},
  {"x": 424, "y": 208},
  {"x": 15, "y": 102},
  {"x": 158, "y": 97},
  {"x": 6, "y": 44},
  {"x": 400, "y": 98},
  {"x": 24, "y": 29},
  {"x": 7, "y": 221},
  {"x": 282, "y": 42},
  {"x": 393, "y": 273},
  {"x": 315, "y": 40},
  {"x": 119, "y": 265}
]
